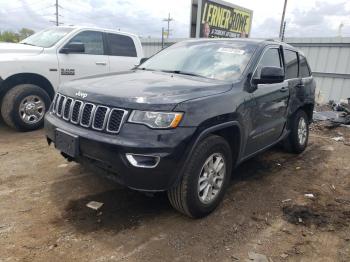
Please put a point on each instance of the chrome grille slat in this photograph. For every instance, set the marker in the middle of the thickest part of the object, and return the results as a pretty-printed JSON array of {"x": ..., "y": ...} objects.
[
  {"x": 67, "y": 108},
  {"x": 60, "y": 103},
  {"x": 115, "y": 122},
  {"x": 54, "y": 102},
  {"x": 100, "y": 117},
  {"x": 76, "y": 111},
  {"x": 89, "y": 115}
]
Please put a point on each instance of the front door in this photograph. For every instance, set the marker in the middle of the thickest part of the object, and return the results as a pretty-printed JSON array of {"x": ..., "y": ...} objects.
[
  {"x": 271, "y": 102},
  {"x": 92, "y": 62}
]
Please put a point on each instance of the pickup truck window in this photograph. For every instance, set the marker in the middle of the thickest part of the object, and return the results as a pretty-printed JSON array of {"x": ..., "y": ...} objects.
[
  {"x": 291, "y": 61},
  {"x": 121, "y": 45},
  {"x": 271, "y": 58},
  {"x": 217, "y": 60},
  {"x": 46, "y": 38},
  {"x": 304, "y": 67},
  {"x": 93, "y": 42}
]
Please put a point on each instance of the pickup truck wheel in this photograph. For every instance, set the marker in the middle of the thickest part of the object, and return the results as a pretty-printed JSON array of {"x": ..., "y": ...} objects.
[
  {"x": 24, "y": 106},
  {"x": 205, "y": 178},
  {"x": 297, "y": 140}
]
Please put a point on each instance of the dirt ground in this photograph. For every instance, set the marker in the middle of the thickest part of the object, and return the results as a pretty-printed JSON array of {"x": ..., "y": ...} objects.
[{"x": 265, "y": 215}]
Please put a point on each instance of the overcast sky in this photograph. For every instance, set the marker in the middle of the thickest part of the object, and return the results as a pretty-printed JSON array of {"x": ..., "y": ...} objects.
[{"x": 144, "y": 17}]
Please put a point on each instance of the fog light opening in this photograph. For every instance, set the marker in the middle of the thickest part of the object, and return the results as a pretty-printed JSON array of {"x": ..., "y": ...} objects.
[{"x": 143, "y": 161}]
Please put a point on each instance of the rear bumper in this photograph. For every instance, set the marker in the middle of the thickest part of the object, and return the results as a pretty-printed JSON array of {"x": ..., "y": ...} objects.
[{"x": 109, "y": 152}]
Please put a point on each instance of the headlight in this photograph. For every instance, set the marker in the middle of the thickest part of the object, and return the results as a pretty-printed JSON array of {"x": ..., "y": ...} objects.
[{"x": 156, "y": 119}]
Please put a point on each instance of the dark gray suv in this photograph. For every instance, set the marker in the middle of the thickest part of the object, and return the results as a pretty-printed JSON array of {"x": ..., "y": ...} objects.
[{"x": 183, "y": 119}]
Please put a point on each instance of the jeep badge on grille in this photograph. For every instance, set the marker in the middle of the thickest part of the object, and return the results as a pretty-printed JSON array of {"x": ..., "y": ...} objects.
[{"x": 81, "y": 94}]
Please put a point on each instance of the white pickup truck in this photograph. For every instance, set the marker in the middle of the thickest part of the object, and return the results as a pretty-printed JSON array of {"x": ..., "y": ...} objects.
[{"x": 31, "y": 70}]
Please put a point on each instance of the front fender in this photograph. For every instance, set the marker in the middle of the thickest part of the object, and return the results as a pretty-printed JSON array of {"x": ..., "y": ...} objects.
[{"x": 202, "y": 135}]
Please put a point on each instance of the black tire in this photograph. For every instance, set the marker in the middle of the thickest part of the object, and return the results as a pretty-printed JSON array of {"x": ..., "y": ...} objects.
[
  {"x": 184, "y": 196},
  {"x": 11, "y": 103},
  {"x": 292, "y": 143}
]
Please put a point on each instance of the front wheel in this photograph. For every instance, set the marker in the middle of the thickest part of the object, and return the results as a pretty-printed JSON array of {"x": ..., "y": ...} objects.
[
  {"x": 24, "y": 106},
  {"x": 298, "y": 137},
  {"x": 205, "y": 178}
]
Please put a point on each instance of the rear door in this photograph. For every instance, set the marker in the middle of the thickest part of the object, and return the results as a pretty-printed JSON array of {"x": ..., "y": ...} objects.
[
  {"x": 93, "y": 61},
  {"x": 122, "y": 52},
  {"x": 294, "y": 82},
  {"x": 307, "y": 84},
  {"x": 271, "y": 105}
]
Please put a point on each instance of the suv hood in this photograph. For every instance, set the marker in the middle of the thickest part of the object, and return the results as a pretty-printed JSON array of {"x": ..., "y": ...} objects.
[
  {"x": 13, "y": 48},
  {"x": 147, "y": 90}
]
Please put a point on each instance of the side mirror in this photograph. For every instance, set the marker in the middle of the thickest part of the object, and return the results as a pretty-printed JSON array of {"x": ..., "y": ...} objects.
[
  {"x": 270, "y": 75},
  {"x": 73, "y": 47},
  {"x": 143, "y": 60}
]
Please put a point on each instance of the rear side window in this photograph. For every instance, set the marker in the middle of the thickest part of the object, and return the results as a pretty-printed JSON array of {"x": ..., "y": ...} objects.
[
  {"x": 291, "y": 61},
  {"x": 121, "y": 45},
  {"x": 92, "y": 40},
  {"x": 271, "y": 58},
  {"x": 304, "y": 67}
]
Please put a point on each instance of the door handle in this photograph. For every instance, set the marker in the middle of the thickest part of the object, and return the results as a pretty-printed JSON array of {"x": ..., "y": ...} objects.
[
  {"x": 284, "y": 89},
  {"x": 300, "y": 85},
  {"x": 101, "y": 63}
]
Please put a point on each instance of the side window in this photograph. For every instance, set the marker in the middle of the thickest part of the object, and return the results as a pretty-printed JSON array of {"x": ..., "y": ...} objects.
[
  {"x": 291, "y": 63},
  {"x": 121, "y": 45},
  {"x": 271, "y": 58},
  {"x": 304, "y": 67},
  {"x": 93, "y": 42}
]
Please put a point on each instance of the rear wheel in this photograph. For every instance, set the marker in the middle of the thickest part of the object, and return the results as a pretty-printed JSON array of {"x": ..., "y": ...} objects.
[
  {"x": 24, "y": 106},
  {"x": 298, "y": 138},
  {"x": 205, "y": 178}
]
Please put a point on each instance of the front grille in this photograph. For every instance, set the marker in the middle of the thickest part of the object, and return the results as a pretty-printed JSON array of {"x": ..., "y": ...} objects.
[{"x": 89, "y": 115}]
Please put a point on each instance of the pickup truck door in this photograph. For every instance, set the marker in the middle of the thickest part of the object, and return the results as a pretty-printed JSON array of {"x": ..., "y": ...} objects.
[
  {"x": 271, "y": 101},
  {"x": 122, "y": 52},
  {"x": 92, "y": 62}
]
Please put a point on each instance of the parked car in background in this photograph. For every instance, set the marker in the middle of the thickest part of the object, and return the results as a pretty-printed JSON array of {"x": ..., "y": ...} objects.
[
  {"x": 30, "y": 71},
  {"x": 184, "y": 118}
]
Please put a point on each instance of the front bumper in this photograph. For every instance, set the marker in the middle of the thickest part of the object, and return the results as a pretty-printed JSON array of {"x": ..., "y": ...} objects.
[{"x": 109, "y": 151}]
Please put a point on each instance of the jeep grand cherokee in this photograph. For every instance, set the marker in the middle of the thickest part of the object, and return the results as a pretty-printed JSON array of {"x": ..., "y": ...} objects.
[{"x": 183, "y": 119}]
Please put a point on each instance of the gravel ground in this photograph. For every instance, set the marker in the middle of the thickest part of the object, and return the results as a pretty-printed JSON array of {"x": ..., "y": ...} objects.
[{"x": 265, "y": 215}]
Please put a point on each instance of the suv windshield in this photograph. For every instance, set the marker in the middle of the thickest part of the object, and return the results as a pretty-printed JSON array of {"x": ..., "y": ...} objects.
[
  {"x": 222, "y": 60},
  {"x": 46, "y": 38}
]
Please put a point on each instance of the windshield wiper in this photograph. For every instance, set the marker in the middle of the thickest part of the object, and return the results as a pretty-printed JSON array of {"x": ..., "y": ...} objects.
[
  {"x": 182, "y": 73},
  {"x": 24, "y": 43},
  {"x": 144, "y": 68}
]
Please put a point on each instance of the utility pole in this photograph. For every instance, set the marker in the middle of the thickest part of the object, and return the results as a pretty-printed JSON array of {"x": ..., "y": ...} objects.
[
  {"x": 282, "y": 19},
  {"x": 340, "y": 28},
  {"x": 168, "y": 20},
  {"x": 57, "y": 15},
  {"x": 283, "y": 31},
  {"x": 57, "y": 23},
  {"x": 162, "y": 37}
]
